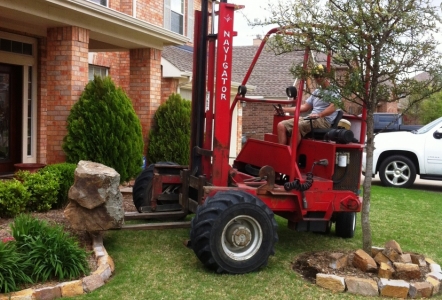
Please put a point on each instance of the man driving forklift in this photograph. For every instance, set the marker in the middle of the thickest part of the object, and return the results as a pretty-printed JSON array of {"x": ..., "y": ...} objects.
[{"x": 322, "y": 113}]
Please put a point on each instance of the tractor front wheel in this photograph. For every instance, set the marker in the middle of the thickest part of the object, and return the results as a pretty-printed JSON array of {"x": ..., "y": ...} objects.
[
  {"x": 233, "y": 232},
  {"x": 345, "y": 224}
]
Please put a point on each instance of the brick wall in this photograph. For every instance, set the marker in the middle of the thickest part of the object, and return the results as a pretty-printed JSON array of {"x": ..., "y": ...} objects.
[
  {"x": 151, "y": 11},
  {"x": 169, "y": 86},
  {"x": 145, "y": 85},
  {"x": 66, "y": 69},
  {"x": 42, "y": 92},
  {"x": 257, "y": 119}
]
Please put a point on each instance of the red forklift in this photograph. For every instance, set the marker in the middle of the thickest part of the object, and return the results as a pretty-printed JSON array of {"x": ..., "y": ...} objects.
[{"x": 234, "y": 229}]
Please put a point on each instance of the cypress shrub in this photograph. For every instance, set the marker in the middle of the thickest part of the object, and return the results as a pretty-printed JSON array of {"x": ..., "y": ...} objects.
[
  {"x": 104, "y": 128},
  {"x": 169, "y": 139}
]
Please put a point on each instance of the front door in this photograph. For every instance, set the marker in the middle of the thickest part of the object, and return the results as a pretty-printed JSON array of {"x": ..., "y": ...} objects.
[{"x": 11, "y": 86}]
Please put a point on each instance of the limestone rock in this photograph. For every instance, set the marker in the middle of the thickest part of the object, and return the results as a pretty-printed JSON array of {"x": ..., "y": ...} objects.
[
  {"x": 405, "y": 258},
  {"x": 71, "y": 288},
  {"x": 393, "y": 245},
  {"x": 381, "y": 258},
  {"x": 435, "y": 268},
  {"x": 392, "y": 254},
  {"x": 92, "y": 282},
  {"x": 418, "y": 260},
  {"x": 393, "y": 288},
  {"x": 364, "y": 262},
  {"x": 435, "y": 275},
  {"x": 420, "y": 290},
  {"x": 429, "y": 261},
  {"x": 385, "y": 271},
  {"x": 338, "y": 260},
  {"x": 407, "y": 271},
  {"x": 375, "y": 251},
  {"x": 96, "y": 219},
  {"x": 435, "y": 283},
  {"x": 361, "y": 286},
  {"x": 331, "y": 282},
  {"x": 96, "y": 202},
  {"x": 47, "y": 293}
]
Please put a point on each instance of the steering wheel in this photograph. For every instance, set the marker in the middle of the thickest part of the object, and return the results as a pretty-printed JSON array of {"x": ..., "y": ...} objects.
[{"x": 279, "y": 110}]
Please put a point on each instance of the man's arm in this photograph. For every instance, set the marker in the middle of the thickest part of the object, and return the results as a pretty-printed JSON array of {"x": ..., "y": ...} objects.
[
  {"x": 326, "y": 112},
  {"x": 303, "y": 108}
]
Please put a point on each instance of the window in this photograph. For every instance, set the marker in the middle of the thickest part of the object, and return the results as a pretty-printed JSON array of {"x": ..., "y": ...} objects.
[
  {"x": 97, "y": 70},
  {"x": 178, "y": 18},
  {"x": 101, "y": 2}
]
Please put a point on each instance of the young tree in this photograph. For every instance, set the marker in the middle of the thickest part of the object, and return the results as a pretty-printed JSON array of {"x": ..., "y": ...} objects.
[
  {"x": 431, "y": 108},
  {"x": 382, "y": 44}
]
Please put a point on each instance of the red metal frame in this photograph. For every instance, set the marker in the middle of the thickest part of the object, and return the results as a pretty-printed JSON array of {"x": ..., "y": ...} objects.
[{"x": 221, "y": 141}]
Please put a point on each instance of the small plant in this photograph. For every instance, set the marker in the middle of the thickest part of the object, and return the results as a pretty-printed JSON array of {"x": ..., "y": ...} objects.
[
  {"x": 51, "y": 251},
  {"x": 169, "y": 139},
  {"x": 43, "y": 187},
  {"x": 13, "y": 198},
  {"x": 104, "y": 128},
  {"x": 12, "y": 267},
  {"x": 65, "y": 177}
]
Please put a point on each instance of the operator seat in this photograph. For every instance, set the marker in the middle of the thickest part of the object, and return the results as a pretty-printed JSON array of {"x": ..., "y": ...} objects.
[{"x": 319, "y": 133}]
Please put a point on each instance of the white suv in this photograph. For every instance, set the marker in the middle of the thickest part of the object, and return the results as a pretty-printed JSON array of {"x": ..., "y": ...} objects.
[{"x": 399, "y": 156}]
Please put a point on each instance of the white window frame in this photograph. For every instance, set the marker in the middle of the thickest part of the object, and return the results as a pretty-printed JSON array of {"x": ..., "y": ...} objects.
[
  {"x": 188, "y": 17},
  {"x": 29, "y": 97},
  {"x": 100, "y": 2},
  {"x": 97, "y": 70}
]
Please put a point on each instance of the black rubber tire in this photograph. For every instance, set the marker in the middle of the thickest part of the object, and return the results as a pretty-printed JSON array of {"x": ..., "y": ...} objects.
[
  {"x": 397, "y": 171},
  {"x": 142, "y": 189},
  {"x": 345, "y": 224},
  {"x": 241, "y": 216}
]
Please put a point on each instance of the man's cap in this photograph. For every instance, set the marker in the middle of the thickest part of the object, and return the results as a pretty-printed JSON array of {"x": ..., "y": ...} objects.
[{"x": 318, "y": 71}]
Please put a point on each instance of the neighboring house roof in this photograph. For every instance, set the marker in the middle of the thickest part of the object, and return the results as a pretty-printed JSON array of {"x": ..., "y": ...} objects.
[
  {"x": 179, "y": 56},
  {"x": 422, "y": 76},
  {"x": 271, "y": 74}
]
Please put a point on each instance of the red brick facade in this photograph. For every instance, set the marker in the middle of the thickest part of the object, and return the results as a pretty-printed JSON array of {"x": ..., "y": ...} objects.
[{"x": 67, "y": 69}]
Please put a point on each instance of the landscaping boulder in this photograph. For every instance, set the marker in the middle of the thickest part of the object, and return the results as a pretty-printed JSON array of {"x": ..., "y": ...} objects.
[{"x": 96, "y": 202}]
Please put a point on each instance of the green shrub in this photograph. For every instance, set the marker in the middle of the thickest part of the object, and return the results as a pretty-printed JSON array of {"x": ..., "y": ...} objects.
[
  {"x": 104, "y": 128},
  {"x": 65, "y": 176},
  {"x": 169, "y": 139},
  {"x": 13, "y": 198},
  {"x": 51, "y": 252},
  {"x": 43, "y": 187},
  {"x": 12, "y": 267}
]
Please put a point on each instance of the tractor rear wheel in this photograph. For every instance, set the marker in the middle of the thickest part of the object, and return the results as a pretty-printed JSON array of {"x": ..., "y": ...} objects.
[
  {"x": 233, "y": 232},
  {"x": 345, "y": 224},
  {"x": 142, "y": 189}
]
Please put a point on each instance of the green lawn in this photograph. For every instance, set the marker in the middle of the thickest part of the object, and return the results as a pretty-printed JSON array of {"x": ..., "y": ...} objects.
[{"x": 156, "y": 265}]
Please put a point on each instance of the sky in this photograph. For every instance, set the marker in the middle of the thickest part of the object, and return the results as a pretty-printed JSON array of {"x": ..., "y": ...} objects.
[{"x": 255, "y": 9}]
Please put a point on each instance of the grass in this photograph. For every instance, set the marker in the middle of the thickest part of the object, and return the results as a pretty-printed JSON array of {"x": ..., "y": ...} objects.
[{"x": 156, "y": 265}]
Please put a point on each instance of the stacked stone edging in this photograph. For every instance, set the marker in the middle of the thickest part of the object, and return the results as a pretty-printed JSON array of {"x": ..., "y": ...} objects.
[
  {"x": 105, "y": 268},
  {"x": 398, "y": 287}
]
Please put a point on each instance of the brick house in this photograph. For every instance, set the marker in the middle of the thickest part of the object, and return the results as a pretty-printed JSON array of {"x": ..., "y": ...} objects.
[{"x": 49, "y": 49}]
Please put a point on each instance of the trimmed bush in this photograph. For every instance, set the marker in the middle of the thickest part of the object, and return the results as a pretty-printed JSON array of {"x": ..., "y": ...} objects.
[
  {"x": 13, "y": 198},
  {"x": 169, "y": 139},
  {"x": 65, "y": 173},
  {"x": 104, "y": 128},
  {"x": 43, "y": 187}
]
